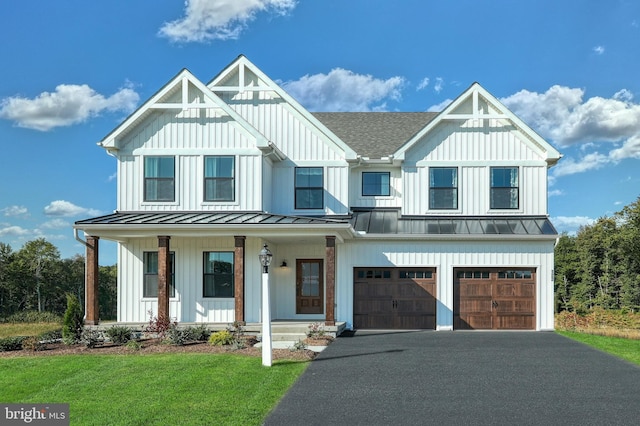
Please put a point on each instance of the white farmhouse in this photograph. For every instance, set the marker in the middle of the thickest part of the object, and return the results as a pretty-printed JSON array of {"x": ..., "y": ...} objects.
[{"x": 376, "y": 220}]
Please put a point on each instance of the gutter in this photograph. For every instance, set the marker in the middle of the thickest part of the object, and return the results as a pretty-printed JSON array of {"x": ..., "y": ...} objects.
[{"x": 78, "y": 239}]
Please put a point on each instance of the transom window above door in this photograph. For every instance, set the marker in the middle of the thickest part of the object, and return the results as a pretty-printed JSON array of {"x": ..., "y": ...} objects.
[
  {"x": 219, "y": 178},
  {"x": 376, "y": 183},
  {"x": 443, "y": 188},
  {"x": 159, "y": 179},
  {"x": 309, "y": 188}
]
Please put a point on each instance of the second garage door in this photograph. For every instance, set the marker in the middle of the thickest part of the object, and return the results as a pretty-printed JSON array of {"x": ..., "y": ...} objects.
[
  {"x": 495, "y": 299},
  {"x": 394, "y": 298}
]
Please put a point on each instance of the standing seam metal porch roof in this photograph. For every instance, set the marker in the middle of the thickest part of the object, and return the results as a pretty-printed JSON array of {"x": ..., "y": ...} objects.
[{"x": 372, "y": 221}]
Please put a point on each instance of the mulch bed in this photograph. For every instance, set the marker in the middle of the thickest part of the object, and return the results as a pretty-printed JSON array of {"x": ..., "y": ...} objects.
[{"x": 156, "y": 346}]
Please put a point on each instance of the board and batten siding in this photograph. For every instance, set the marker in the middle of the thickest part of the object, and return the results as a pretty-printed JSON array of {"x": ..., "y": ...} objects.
[
  {"x": 395, "y": 191},
  {"x": 287, "y": 128},
  {"x": 336, "y": 192},
  {"x": 189, "y": 136},
  {"x": 188, "y": 305},
  {"x": 474, "y": 150},
  {"x": 445, "y": 256}
]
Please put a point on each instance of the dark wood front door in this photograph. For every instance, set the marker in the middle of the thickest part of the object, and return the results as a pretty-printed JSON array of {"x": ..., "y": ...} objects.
[
  {"x": 495, "y": 299},
  {"x": 309, "y": 286},
  {"x": 394, "y": 298}
]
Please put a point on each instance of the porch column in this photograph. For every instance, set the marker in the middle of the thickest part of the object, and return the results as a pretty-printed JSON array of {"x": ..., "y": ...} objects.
[
  {"x": 330, "y": 254},
  {"x": 92, "y": 308},
  {"x": 238, "y": 277},
  {"x": 164, "y": 276}
]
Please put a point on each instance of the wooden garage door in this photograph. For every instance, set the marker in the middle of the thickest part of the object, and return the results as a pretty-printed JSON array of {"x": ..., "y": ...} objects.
[
  {"x": 394, "y": 298},
  {"x": 495, "y": 299}
]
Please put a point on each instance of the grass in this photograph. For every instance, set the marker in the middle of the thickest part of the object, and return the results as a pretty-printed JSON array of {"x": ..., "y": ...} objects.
[
  {"x": 624, "y": 348},
  {"x": 27, "y": 329},
  {"x": 185, "y": 389}
]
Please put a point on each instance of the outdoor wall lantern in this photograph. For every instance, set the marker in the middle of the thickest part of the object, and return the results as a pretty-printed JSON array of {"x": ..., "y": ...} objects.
[
  {"x": 284, "y": 264},
  {"x": 265, "y": 257}
]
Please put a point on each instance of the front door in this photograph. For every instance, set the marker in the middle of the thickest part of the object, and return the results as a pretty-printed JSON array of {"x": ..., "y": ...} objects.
[{"x": 309, "y": 286}]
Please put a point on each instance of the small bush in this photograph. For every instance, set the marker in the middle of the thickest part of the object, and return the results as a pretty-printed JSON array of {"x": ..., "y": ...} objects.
[
  {"x": 199, "y": 333},
  {"x": 11, "y": 343},
  {"x": 316, "y": 330},
  {"x": 133, "y": 345},
  {"x": 51, "y": 336},
  {"x": 33, "y": 343},
  {"x": 118, "y": 334},
  {"x": 176, "y": 336},
  {"x": 298, "y": 346},
  {"x": 91, "y": 337},
  {"x": 221, "y": 338},
  {"x": 73, "y": 322},
  {"x": 159, "y": 325},
  {"x": 34, "y": 317}
]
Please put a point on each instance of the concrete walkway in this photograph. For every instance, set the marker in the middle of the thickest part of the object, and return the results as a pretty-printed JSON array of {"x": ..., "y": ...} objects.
[{"x": 462, "y": 378}]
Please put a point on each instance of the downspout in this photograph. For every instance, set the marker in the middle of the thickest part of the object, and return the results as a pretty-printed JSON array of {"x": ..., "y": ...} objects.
[{"x": 78, "y": 239}]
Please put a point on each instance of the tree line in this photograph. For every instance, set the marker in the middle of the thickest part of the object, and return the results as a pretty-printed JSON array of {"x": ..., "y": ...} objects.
[
  {"x": 600, "y": 265},
  {"x": 36, "y": 278}
]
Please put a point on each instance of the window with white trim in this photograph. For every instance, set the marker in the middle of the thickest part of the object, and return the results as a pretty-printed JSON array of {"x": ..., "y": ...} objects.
[
  {"x": 219, "y": 178},
  {"x": 504, "y": 188},
  {"x": 159, "y": 179},
  {"x": 443, "y": 188},
  {"x": 150, "y": 286}
]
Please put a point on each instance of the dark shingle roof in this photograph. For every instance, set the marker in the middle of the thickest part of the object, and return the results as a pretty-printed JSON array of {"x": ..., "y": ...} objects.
[{"x": 375, "y": 134}]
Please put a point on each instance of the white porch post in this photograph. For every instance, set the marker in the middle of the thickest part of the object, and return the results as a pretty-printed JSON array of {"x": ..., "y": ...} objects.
[{"x": 265, "y": 260}]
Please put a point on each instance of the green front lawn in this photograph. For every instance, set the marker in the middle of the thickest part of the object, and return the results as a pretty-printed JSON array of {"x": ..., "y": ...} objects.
[
  {"x": 624, "y": 348},
  {"x": 27, "y": 329},
  {"x": 179, "y": 389}
]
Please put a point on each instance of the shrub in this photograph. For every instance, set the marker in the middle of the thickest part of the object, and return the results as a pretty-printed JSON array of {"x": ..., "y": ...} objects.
[
  {"x": 133, "y": 345},
  {"x": 298, "y": 346},
  {"x": 11, "y": 343},
  {"x": 73, "y": 321},
  {"x": 198, "y": 333},
  {"x": 51, "y": 336},
  {"x": 118, "y": 334},
  {"x": 221, "y": 338},
  {"x": 33, "y": 343},
  {"x": 91, "y": 337},
  {"x": 34, "y": 317},
  {"x": 316, "y": 330},
  {"x": 159, "y": 325},
  {"x": 176, "y": 336}
]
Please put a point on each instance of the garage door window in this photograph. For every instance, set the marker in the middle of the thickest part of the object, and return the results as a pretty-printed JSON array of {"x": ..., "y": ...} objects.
[
  {"x": 374, "y": 273},
  {"x": 470, "y": 275},
  {"x": 415, "y": 274},
  {"x": 518, "y": 275}
]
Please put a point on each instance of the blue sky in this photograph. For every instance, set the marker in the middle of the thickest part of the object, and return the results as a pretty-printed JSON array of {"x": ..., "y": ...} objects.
[{"x": 73, "y": 70}]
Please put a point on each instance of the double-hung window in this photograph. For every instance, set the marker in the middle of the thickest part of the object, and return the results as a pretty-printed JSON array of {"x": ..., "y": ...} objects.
[
  {"x": 219, "y": 176},
  {"x": 443, "y": 188},
  {"x": 375, "y": 183},
  {"x": 159, "y": 179},
  {"x": 504, "y": 188},
  {"x": 218, "y": 274},
  {"x": 150, "y": 260},
  {"x": 309, "y": 188}
]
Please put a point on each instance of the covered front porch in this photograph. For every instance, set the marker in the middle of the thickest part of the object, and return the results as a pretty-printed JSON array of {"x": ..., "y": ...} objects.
[{"x": 302, "y": 276}]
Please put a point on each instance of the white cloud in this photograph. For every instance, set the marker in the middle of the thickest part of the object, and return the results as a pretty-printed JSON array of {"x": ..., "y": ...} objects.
[
  {"x": 344, "y": 90},
  {"x": 14, "y": 211},
  {"x": 598, "y": 50},
  {"x": 439, "y": 85},
  {"x": 13, "y": 231},
  {"x": 439, "y": 107},
  {"x": 562, "y": 115},
  {"x": 571, "y": 223},
  {"x": 555, "y": 192},
  {"x": 112, "y": 177},
  {"x": 207, "y": 20},
  {"x": 423, "y": 83},
  {"x": 68, "y": 104},
  {"x": 56, "y": 224},
  {"x": 65, "y": 208}
]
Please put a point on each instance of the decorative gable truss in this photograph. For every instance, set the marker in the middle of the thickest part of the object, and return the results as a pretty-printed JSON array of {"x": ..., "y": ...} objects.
[{"x": 477, "y": 109}]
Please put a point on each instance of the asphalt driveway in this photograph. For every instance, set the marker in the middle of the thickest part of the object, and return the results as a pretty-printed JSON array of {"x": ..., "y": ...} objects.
[{"x": 456, "y": 378}]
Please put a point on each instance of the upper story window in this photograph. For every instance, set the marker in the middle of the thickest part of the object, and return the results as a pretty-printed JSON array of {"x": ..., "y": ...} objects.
[
  {"x": 309, "y": 188},
  {"x": 150, "y": 286},
  {"x": 159, "y": 179},
  {"x": 219, "y": 176},
  {"x": 218, "y": 274},
  {"x": 443, "y": 188},
  {"x": 375, "y": 183},
  {"x": 504, "y": 188}
]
